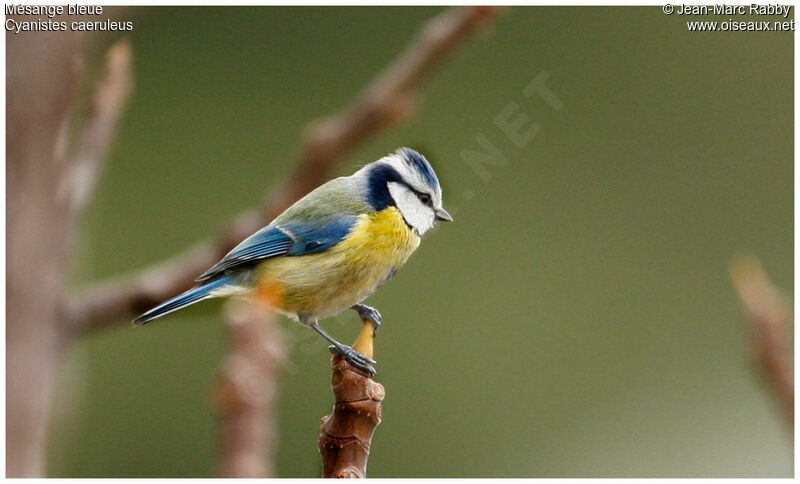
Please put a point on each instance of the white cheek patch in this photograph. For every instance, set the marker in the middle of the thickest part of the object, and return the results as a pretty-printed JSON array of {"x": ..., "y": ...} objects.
[{"x": 417, "y": 214}]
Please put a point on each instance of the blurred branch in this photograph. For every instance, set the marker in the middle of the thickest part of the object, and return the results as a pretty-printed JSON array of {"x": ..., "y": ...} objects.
[
  {"x": 770, "y": 315},
  {"x": 388, "y": 99},
  {"x": 347, "y": 433},
  {"x": 108, "y": 102},
  {"x": 247, "y": 390},
  {"x": 46, "y": 191}
]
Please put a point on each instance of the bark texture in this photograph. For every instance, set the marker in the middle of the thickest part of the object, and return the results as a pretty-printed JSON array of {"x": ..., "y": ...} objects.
[{"x": 347, "y": 433}]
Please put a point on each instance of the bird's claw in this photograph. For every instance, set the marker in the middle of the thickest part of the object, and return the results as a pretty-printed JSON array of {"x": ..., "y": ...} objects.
[
  {"x": 355, "y": 358},
  {"x": 368, "y": 313}
]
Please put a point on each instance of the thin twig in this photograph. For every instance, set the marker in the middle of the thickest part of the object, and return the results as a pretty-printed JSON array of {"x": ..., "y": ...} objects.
[
  {"x": 386, "y": 100},
  {"x": 108, "y": 102},
  {"x": 770, "y": 315},
  {"x": 247, "y": 391},
  {"x": 346, "y": 435}
]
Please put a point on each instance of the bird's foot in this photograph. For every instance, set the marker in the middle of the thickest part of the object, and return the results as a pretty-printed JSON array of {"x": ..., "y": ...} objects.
[
  {"x": 368, "y": 313},
  {"x": 355, "y": 358}
]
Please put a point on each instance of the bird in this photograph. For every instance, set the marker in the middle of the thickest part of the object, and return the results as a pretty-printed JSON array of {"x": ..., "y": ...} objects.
[{"x": 331, "y": 249}]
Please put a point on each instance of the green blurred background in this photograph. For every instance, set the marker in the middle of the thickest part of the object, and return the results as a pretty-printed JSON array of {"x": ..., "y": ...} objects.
[{"x": 576, "y": 320}]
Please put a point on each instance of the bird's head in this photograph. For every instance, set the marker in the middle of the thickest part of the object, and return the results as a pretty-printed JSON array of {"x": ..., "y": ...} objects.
[{"x": 406, "y": 180}]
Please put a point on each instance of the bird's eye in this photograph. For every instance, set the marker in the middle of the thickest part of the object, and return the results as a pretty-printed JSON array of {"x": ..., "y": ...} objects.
[{"x": 425, "y": 198}]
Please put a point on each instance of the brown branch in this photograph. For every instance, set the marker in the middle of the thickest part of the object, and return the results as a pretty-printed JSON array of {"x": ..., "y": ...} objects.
[
  {"x": 247, "y": 390},
  {"x": 42, "y": 84},
  {"x": 108, "y": 102},
  {"x": 386, "y": 100},
  {"x": 770, "y": 316},
  {"x": 347, "y": 433}
]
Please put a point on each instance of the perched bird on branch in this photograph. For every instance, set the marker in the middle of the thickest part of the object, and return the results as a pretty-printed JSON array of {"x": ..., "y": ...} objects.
[{"x": 332, "y": 248}]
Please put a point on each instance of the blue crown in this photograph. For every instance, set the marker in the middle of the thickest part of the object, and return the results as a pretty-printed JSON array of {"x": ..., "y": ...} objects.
[{"x": 419, "y": 163}]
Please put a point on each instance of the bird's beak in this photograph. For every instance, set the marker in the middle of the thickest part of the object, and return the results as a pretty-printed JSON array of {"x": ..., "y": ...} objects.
[{"x": 443, "y": 215}]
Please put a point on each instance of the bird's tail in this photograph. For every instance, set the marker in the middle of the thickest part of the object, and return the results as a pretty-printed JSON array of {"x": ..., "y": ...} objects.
[{"x": 188, "y": 298}]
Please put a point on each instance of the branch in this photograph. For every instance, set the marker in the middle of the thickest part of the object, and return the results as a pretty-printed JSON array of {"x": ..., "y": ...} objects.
[
  {"x": 388, "y": 99},
  {"x": 108, "y": 102},
  {"x": 42, "y": 86},
  {"x": 247, "y": 390},
  {"x": 770, "y": 315},
  {"x": 347, "y": 433}
]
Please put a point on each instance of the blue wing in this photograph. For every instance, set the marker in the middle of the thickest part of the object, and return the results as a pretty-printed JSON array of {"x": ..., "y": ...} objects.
[
  {"x": 292, "y": 239},
  {"x": 193, "y": 295}
]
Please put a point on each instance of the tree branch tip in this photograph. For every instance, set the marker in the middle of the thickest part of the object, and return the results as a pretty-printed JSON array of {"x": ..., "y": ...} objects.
[
  {"x": 365, "y": 343},
  {"x": 744, "y": 267},
  {"x": 121, "y": 52},
  {"x": 758, "y": 294},
  {"x": 115, "y": 88},
  {"x": 770, "y": 313}
]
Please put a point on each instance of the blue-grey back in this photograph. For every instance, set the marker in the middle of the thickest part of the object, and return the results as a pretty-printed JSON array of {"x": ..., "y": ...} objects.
[{"x": 340, "y": 196}]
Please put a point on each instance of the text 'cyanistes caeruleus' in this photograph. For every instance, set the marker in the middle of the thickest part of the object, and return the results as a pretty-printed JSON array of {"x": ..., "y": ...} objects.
[{"x": 332, "y": 248}]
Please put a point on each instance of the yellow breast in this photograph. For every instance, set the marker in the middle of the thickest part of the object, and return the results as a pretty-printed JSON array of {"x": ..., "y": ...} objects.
[{"x": 330, "y": 282}]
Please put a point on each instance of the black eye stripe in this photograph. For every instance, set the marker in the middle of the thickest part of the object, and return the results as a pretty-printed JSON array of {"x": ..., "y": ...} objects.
[
  {"x": 425, "y": 198},
  {"x": 378, "y": 185},
  {"x": 413, "y": 190}
]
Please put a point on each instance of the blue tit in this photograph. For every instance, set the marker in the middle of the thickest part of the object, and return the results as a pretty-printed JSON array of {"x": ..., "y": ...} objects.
[{"x": 332, "y": 248}]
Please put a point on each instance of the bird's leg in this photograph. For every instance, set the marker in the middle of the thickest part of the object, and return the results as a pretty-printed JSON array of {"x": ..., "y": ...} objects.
[
  {"x": 368, "y": 313},
  {"x": 354, "y": 357}
]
